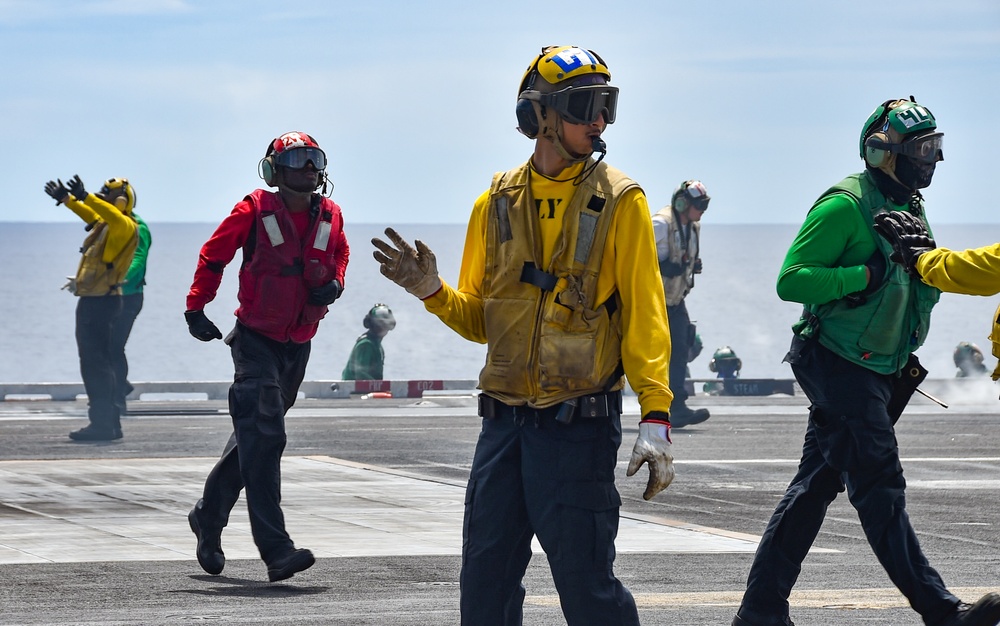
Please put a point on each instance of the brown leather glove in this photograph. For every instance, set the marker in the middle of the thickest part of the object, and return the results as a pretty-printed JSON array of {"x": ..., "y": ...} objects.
[
  {"x": 653, "y": 448},
  {"x": 413, "y": 269}
]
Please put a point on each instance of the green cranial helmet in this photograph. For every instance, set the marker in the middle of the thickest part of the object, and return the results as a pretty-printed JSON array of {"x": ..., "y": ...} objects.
[
  {"x": 725, "y": 361},
  {"x": 966, "y": 353},
  {"x": 895, "y": 128},
  {"x": 379, "y": 319}
]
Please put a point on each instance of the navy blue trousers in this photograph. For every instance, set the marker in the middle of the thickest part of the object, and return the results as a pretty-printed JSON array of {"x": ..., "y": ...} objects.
[
  {"x": 267, "y": 380},
  {"x": 120, "y": 331},
  {"x": 849, "y": 442},
  {"x": 532, "y": 477},
  {"x": 95, "y": 318},
  {"x": 680, "y": 323}
]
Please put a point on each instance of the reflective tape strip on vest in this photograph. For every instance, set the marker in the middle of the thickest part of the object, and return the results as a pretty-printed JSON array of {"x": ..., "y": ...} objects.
[{"x": 275, "y": 282}]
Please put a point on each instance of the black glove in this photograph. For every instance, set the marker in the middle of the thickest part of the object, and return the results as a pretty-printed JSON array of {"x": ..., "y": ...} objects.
[
  {"x": 325, "y": 295},
  {"x": 57, "y": 190},
  {"x": 876, "y": 272},
  {"x": 200, "y": 326},
  {"x": 696, "y": 268},
  {"x": 77, "y": 189},
  {"x": 876, "y": 276},
  {"x": 908, "y": 237},
  {"x": 670, "y": 269}
]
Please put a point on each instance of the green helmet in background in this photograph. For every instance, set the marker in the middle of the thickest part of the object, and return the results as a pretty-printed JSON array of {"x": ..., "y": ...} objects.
[
  {"x": 379, "y": 319},
  {"x": 968, "y": 359},
  {"x": 725, "y": 363}
]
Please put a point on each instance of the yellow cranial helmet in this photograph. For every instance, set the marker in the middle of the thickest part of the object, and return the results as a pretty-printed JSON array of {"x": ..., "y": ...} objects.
[
  {"x": 558, "y": 64},
  {"x": 119, "y": 192},
  {"x": 569, "y": 81}
]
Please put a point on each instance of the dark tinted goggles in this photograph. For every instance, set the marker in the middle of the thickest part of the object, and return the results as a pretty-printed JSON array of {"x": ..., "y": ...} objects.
[
  {"x": 696, "y": 195},
  {"x": 583, "y": 105},
  {"x": 700, "y": 203},
  {"x": 926, "y": 149},
  {"x": 296, "y": 158}
]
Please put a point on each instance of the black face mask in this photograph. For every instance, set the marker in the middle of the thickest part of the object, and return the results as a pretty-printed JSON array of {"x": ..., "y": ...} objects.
[
  {"x": 914, "y": 174},
  {"x": 898, "y": 193}
]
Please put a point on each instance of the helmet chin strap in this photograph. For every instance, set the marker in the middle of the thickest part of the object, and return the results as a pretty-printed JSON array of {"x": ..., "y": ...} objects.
[{"x": 553, "y": 133}]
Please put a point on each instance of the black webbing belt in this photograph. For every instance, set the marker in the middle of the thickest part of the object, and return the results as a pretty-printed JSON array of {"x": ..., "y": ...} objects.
[{"x": 591, "y": 406}]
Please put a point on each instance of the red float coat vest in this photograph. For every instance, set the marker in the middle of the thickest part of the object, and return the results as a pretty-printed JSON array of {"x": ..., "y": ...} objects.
[{"x": 275, "y": 282}]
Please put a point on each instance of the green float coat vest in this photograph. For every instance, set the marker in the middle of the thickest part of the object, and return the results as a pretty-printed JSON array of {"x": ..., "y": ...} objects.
[{"x": 892, "y": 322}]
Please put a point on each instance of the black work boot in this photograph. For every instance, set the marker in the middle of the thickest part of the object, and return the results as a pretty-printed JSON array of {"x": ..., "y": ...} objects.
[
  {"x": 209, "y": 550},
  {"x": 94, "y": 433},
  {"x": 985, "y": 612},
  {"x": 290, "y": 564},
  {"x": 681, "y": 416}
]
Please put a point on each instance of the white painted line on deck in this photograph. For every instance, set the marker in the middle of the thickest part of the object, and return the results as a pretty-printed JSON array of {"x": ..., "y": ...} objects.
[
  {"x": 135, "y": 509},
  {"x": 836, "y": 599}
]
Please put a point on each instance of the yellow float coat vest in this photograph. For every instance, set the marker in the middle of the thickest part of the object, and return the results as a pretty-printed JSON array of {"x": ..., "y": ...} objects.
[
  {"x": 94, "y": 277},
  {"x": 548, "y": 340}
]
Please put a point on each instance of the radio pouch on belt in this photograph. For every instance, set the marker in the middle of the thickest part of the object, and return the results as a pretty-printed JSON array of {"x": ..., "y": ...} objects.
[
  {"x": 904, "y": 385},
  {"x": 805, "y": 330}
]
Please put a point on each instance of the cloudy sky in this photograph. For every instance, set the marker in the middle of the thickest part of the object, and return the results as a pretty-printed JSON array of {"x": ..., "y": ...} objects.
[{"x": 413, "y": 101}]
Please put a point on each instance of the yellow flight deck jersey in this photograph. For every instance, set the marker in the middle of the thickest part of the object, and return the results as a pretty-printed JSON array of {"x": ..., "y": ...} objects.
[
  {"x": 975, "y": 272},
  {"x": 628, "y": 267}
]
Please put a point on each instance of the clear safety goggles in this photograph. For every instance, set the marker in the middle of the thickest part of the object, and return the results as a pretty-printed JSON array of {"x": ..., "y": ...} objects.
[
  {"x": 583, "y": 105},
  {"x": 296, "y": 158},
  {"x": 926, "y": 149}
]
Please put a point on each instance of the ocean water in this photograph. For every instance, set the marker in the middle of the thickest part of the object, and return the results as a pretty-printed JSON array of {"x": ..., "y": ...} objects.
[{"x": 733, "y": 303}]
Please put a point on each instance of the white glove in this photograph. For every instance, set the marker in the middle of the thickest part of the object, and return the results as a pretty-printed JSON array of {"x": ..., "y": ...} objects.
[
  {"x": 653, "y": 447},
  {"x": 415, "y": 270}
]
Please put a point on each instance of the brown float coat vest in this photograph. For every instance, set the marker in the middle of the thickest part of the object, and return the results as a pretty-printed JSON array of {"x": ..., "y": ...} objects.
[
  {"x": 94, "y": 277},
  {"x": 549, "y": 341}
]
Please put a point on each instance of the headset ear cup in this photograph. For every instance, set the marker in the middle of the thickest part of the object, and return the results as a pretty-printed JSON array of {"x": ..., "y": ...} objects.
[
  {"x": 711, "y": 366},
  {"x": 681, "y": 206},
  {"x": 267, "y": 170},
  {"x": 876, "y": 157},
  {"x": 527, "y": 119}
]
